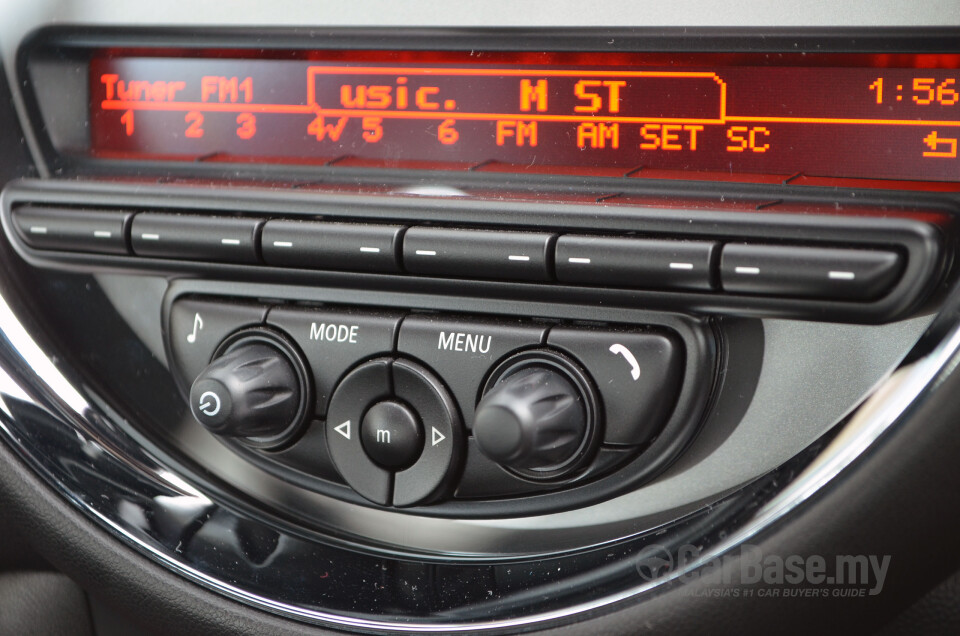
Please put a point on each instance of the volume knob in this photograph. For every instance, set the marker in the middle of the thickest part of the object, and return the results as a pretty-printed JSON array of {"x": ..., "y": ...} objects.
[
  {"x": 255, "y": 391},
  {"x": 535, "y": 418}
]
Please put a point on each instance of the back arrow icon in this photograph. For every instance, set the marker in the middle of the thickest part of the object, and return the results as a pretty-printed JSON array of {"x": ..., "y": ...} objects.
[{"x": 344, "y": 429}]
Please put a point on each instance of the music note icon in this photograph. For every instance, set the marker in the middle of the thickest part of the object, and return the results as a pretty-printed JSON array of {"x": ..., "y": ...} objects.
[{"x": 197, "y": 325}]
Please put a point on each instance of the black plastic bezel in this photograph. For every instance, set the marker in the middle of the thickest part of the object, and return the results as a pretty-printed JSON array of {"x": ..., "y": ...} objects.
[
  {"x": 915, "y": 225},
  {"x": 703, "y": 350}
]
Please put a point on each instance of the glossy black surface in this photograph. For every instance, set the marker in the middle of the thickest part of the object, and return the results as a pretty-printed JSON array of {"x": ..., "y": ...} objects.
[
  {"x": 637, "y": 373},
  {"x": 180, "y": 525},
  {"x": 478, "y": 254}
]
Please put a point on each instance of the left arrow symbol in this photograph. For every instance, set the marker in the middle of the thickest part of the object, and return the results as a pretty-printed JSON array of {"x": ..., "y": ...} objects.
[{"x": 344, "y": 429}]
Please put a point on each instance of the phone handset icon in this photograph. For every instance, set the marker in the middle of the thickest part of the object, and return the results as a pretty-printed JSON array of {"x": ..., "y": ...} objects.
[{"x": 619, "y": 349}]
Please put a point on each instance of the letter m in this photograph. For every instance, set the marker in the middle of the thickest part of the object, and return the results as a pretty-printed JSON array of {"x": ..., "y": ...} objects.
[
  {"x": 446, "y": 341},
  {"x": 530, "y": 93}
]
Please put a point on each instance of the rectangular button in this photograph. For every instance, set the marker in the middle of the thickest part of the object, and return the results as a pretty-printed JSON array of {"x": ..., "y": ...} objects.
[
  {"x": 638, "y": 375},
  {"x": 477, "y": 253},
  {"x": 337, "y": 246},
  {"x": 463, "y": 352},
  {"x": 202, "y": 238},
  {"x": 196, "y": 328},
  {"x": 628, "y": 262},
  {"x": 335, "y": 340},
  {"x": 809, "y": 272},
  {"x": 76, "y": 230}
]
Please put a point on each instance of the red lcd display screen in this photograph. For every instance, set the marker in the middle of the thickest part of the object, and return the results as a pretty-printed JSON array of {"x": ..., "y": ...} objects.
[{"x": 839, "y": 115}]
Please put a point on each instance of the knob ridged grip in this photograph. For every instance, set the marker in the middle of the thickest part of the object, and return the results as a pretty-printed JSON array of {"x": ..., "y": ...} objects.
[
  {"x": 252, "y": 391},
  {"x": 533, "y": 418}
]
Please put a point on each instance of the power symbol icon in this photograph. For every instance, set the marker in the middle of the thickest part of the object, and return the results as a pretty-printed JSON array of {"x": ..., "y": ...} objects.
[{"x": 209, "y": 403}]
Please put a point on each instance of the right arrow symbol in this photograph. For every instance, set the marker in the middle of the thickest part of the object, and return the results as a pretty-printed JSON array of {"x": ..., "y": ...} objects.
[
  {"x": 437, "y": 436},
  {"x": 344, "y": 429}
]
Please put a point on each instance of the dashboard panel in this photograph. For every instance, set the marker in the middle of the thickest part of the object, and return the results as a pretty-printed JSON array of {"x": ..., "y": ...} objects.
[{"x": 483, "y": 315}]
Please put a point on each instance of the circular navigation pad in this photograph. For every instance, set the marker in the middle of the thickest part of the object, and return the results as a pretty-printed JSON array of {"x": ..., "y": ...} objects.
[{"x": 394, "y": 433}]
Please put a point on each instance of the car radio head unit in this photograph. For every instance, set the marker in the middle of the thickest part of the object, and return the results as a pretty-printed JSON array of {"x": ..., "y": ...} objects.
[{"x": 492, "y": 296}]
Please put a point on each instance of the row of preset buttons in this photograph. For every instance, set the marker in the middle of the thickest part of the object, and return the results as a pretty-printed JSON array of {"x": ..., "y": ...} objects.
[{"x": 626, "y": 262}]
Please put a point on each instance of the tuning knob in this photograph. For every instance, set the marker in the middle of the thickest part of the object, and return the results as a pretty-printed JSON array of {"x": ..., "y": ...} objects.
[
  {"x": 256, "y": 391},
  {"x": 536, "y": 417}
]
